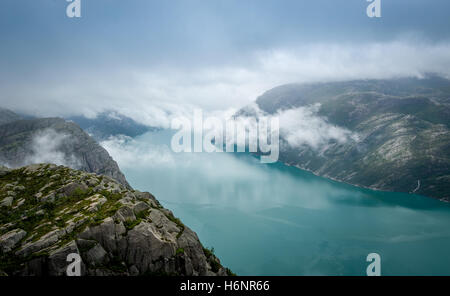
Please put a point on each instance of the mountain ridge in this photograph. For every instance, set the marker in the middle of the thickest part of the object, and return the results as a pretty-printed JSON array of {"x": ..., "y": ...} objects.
[
  {"x": 7, "y": 116},
  {"x": 402, "y": 125},
  {"x": 110, "y": 123},
  {"x": 48, "y": 212},
  {"x": 27, "y": 139}
]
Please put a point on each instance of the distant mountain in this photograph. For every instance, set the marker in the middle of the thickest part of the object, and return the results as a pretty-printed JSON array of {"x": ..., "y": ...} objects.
[
  {"x": 110, "y": 123},
  {"x": 54, "y": 140},
  {"x": 400, "y": 132},
  {"x": 7, "y": 116},
  {"x": 48, "y": 212}
]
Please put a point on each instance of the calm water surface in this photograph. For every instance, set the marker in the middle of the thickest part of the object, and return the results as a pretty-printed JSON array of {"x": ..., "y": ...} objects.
[{"x": 278, "y": 220}]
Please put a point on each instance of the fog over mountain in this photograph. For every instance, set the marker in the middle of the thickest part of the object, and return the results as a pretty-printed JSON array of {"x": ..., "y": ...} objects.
[
  {"x": 362, "y": 167},
  {"x": 56, "y": 141},
  {"x": 390, "y": 135},
  {"x": 46, "y": 148},
  {"x": 164, "y": 59},
  {"x": 152, "y": 96}
]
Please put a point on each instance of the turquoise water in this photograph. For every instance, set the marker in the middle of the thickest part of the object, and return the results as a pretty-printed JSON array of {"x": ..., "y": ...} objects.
[{"x": 278, "y": 220}]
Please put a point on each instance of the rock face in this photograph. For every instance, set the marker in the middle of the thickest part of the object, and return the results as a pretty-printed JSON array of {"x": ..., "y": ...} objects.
[
  {"x": 10, "y": 239},
  {"x": 115, "y": 230},
  {"x": 401, "y": 128},
  {"x": 54, "y": 140}
]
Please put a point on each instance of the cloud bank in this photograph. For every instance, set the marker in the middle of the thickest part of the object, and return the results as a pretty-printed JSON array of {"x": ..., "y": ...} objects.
[
  {"x": 154, "y": 95},
  {"x": 303, "y": 127},
  {"x": 138, "y": 153}
]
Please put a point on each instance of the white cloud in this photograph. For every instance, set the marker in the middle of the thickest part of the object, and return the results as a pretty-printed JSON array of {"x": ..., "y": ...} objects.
[
  {"x": 331, "y": 62},
  {"x": 303, "y": 127},
  {"x": 132, "y": 153},
  {"x": 46, "y": 148},
  {"x": 154, "y": 95}
]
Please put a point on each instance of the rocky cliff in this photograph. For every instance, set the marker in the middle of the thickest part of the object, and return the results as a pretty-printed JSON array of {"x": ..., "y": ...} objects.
[
  {"x": 400, "y": 132},
  {"x": 48, "y": 212},
  {"x": 54, "y": 140}
]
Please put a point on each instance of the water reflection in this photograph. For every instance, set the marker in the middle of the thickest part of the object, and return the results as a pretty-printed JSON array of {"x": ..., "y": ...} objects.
[{"x": 279, "y": 220}]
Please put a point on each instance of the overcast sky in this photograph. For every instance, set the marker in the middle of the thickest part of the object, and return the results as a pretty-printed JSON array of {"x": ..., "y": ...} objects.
[{"x": 150, "y": 58}]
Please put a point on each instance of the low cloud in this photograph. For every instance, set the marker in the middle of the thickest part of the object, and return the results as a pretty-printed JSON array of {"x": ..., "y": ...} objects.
[
  {"x": 137, "y": 153},
  {"x": 153, "y": 95},
  {"x": 47, "y": 146},
  {"x": 304, "y": 127}
]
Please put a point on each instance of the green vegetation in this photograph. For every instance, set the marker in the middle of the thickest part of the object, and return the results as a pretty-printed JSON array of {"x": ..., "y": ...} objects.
[
  {"x": 179, "y": 251},
  {"x": 143, "y": 214},
  {"x": 212, "y": 259},
  {"x": 178, "y": 222},
  {"x": 229, "y": 272},
  {"x": 208, "y": 252},
  {"x": 131, "y": 224},
  {"x": 215, "y": 265},
  {"x": 54, "y": 205}
]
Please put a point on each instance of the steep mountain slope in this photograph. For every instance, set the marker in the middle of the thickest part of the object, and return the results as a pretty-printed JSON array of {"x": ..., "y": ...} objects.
[
  {"x": 400, "y": 132},
  {"x": 7, "y": 116},
  {"x": 108, "y": 124},
  {"x": 55, "y": 140},
  {"x": 48, "y": 212}
]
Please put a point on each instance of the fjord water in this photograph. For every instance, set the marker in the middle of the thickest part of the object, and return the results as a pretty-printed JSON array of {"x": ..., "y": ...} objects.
[{"x": 272, "y": 219}]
